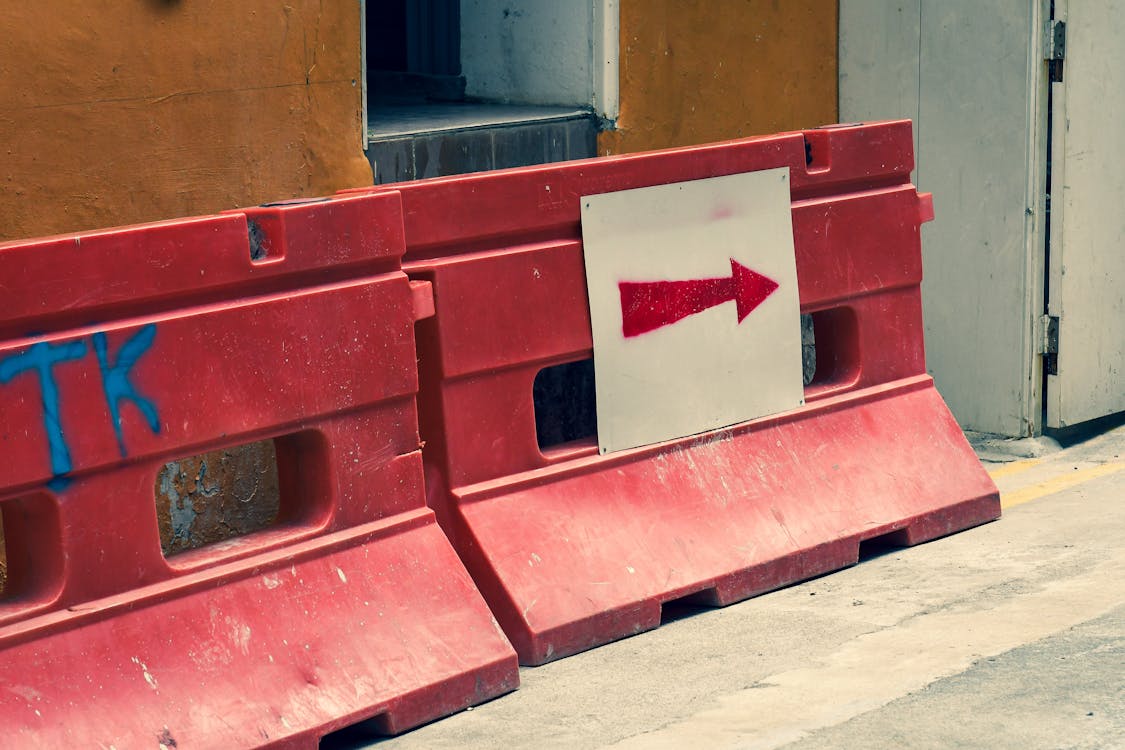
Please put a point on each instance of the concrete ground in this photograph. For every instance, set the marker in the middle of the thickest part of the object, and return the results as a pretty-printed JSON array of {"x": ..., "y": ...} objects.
[{"x": 1011, "y": 635}]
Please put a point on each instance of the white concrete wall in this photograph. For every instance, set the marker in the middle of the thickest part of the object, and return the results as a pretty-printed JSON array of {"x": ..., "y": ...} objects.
[{"x": 530, "y": 51}]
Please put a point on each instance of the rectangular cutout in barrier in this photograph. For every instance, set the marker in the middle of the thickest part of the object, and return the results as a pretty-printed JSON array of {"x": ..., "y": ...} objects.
[
  {"x": 358, "y": 735},
  {"x": 808, "y": 349},
  {"x": 31, "y": 565},
  {"x": 687, "y": 605},
  {"x": 216, "y": 496},
  {"x": 835, "y": 350},
  {"x": 565, "y": 404},
  {"x": 882, "y": 544}
]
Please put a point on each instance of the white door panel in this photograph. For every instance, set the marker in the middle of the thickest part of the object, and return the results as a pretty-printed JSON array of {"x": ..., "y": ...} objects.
[{"x": 1087, "y": 252}]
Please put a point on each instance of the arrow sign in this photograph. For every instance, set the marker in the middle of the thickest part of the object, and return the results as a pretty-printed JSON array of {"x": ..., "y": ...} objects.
[
  {"x": 648, "y": 305},
  {"x": 697, "y": 373}
]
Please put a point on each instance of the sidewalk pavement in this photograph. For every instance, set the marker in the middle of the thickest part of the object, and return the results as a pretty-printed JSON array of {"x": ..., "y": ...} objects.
[{"x": 1010, "y": 635}]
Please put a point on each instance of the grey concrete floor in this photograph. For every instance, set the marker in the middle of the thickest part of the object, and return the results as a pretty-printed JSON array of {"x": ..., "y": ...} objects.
[{"x": 1008, "y": 635}]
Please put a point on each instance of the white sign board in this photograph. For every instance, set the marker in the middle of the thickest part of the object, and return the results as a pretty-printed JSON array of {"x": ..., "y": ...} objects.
[{"x": 694, "y": 306}]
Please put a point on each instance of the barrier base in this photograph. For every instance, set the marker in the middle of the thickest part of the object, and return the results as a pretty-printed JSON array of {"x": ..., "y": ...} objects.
[
  {"x": 583, "y": 553},
  {"x": 378, "y": 623}
]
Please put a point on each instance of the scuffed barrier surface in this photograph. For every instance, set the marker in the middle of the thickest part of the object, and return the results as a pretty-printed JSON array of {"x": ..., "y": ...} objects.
[{"x": 3, "y": 560}]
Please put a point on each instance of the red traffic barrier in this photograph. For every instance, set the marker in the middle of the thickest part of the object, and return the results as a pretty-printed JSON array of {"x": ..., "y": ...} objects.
[
  {"x": 124, "y": 349},
  {"x": 573, "y": 549}
]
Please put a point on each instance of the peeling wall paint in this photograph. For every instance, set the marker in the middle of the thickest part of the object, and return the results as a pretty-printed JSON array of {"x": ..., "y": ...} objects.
[
  {"x": 126, "y": 112},
  {"x": 181, "y": 510},
  {"x": 216, "y": 496},
  {"x": 694, "y": 71}
]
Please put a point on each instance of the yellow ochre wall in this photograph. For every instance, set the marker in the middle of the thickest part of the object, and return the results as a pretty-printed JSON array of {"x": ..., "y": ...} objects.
[
  {"x": 695, "y": 71},
  {"x": 121, "y": 112}
]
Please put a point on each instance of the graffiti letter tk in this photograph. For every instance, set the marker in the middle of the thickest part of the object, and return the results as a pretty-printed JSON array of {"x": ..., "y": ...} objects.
[
  {"x": 115, "y": 379},
  {"x": 42, "y": 358}
]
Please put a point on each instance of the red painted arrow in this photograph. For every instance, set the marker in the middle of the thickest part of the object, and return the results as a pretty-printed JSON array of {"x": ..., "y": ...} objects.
[{"x": 648, "y": 305}]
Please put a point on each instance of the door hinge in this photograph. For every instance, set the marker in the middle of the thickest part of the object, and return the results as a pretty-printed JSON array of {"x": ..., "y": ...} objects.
[
  {"x": 1048, "y": 334},
  {"x": 1047, "y": 344},
  {"x": 1054, "y": 40}
]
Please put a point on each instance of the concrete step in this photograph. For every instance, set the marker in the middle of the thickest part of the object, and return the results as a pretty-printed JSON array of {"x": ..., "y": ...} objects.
[{"x": 409, "y": 142}]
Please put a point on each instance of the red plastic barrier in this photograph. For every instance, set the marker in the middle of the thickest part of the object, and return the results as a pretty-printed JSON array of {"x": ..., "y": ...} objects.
[
  {"x": 572, "y": 549},
  {"x": 124, "y": 349}
]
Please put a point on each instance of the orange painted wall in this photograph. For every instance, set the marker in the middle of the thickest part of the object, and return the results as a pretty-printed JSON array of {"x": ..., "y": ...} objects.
[
  {"x": 116, "y": 113},
  {"x": 695, "y": 71}
]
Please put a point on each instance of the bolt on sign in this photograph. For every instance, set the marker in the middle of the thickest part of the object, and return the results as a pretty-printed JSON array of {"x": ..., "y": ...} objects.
[{"x": 694, "y": 306}]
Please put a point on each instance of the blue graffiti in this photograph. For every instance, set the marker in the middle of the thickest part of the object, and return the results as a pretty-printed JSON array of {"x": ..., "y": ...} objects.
[
  {"x": 115, "y": 379},
  {"x": 42, "y": 358}
]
